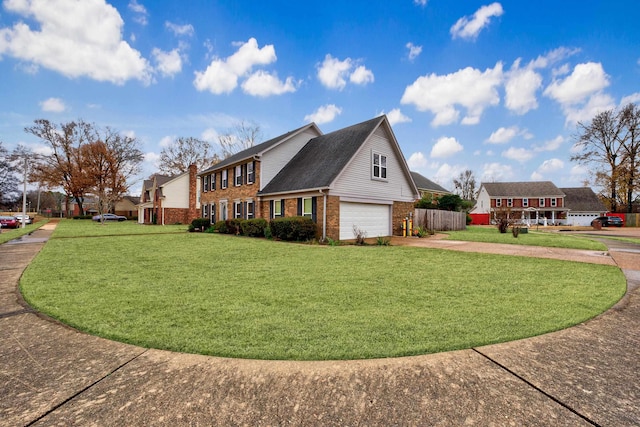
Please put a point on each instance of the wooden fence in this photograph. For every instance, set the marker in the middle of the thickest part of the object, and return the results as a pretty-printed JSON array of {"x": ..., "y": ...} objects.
[{"x": 438, "y": 220}]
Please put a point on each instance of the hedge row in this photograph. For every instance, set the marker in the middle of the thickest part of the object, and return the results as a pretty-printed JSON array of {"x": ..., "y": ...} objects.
[{"x": 295, "y": 228}]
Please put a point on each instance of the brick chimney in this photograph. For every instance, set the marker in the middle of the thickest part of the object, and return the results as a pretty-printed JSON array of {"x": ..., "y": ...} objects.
[{"x": 193, "y": 179}]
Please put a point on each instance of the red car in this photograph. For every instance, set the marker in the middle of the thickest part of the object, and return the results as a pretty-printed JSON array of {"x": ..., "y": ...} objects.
[{"x": 9, "y": 222}]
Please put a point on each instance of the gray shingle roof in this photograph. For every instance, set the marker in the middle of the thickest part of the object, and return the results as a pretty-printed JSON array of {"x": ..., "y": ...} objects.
[
  {"x": 424, "y": 183},
  {"x": 582, "y": 199},
  {"x": 522, "y": 189},
  {"x": 255, "y": 150},
  {"x": 320, "y": 161}
]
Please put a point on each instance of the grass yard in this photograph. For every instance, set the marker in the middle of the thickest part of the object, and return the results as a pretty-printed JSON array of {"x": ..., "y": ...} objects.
[
  {"x": 10, "y": 234},
  {"x": 532, "y": 238},
  {"x": 253, "y": 298},
  {"x": 88, "y": 228}
]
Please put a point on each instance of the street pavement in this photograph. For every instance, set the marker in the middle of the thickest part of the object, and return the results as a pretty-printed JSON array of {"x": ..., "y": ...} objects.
[{"x": 52, "y": 375}]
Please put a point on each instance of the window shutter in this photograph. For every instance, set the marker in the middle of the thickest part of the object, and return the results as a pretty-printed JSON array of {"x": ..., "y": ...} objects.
[
  {"x": 213, "y": 214},
  {"x": 233, "y": 174},
  {"x": 244, "y": 211},
  {"x": 244, "y": 173},
  {"x": 314, "y": 209},
  {"x": 272, "y": 213},
  {"x": 282, "y": 208},
  {"x": 299, "y": 206}
]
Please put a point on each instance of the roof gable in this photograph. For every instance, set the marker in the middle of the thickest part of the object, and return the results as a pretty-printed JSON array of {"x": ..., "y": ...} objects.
[
  {"x": 424, "y": 183},
  {"x": 522, "y": 189},
  {"x": 582, "y": 199},
  {"x": 322, "y": 159},
  {"x": 258, "y": 150}
]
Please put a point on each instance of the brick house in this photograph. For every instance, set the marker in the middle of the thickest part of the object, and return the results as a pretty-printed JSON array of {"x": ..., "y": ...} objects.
[
  {"x": 529, "y": 202},
  {"x": 356, "y": 176},
  {"x": 427, "y": 187},
  {"x": 170, "y": 199}
]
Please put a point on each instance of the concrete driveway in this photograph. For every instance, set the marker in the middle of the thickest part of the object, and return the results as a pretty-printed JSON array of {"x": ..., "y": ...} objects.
[{"x": 52, "y": 375}]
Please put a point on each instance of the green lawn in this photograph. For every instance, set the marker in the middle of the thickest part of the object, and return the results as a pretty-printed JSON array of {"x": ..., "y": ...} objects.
[
  {"x": 253, "y": 298},
  {"x": 532, "y": 238},
  {"x": 87, "y": 227}
]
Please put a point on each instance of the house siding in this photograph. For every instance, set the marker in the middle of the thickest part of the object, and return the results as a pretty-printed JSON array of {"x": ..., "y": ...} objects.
[
  {"x": 356, "y": 179},
  {"x": 242, "y": 193},
  {"x": 276, "y": 158}
]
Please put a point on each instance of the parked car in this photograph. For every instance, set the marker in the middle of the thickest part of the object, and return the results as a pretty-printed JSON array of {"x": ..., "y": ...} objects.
[
  {"x": 9, "y": 222},
  {"x": 608, "y": 221},
  {"x": 27, "y": 219},
  {"x": 109, "y": 217}
]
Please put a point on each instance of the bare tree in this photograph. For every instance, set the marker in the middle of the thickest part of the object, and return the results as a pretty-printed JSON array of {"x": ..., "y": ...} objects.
[
  {"x": 465, "y": 185},
  {"x": 176, "y": 158},
  {"x": 240, "y": 137},
  {"x": 601, "y": 145},
  {"x": 8, "y": 187},
  {"x": 629, "y": 118}
]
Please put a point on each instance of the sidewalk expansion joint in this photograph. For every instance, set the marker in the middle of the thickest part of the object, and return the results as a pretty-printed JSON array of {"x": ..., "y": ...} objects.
[
  {"x": 536, "y": 388},
  {"x": 88, "y": 387},
  {"x": 17, "y": 312}
]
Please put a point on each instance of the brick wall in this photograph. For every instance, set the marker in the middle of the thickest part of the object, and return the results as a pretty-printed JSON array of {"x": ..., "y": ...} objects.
[
  {"x": 400, "y": 212},
  {"x": 233, "y": 193}
]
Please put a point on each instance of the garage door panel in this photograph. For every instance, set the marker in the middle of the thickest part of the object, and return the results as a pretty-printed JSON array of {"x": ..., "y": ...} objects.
[{"x": 374, "y": 219}]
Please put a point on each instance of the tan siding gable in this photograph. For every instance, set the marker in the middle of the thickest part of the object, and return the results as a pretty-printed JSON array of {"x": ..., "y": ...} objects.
[
  {"x": 356, "y": 179},
  {"x": 275, "y": 159}
]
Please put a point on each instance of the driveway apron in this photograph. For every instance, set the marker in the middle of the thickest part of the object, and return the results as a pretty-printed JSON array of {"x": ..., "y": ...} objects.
[{"x": 51, "y": 375}]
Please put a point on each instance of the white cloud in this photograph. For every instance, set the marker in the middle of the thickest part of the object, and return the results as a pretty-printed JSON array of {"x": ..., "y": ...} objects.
[
  {"x": 414, "y": 51},
  {"x": 503, "y": 135},
  {"x": 469, "y": 87},
  {"x": 417, "y": 161},
  {"x": 180, "y": 30},
  {"x": 333, "y": 73},
  {"x": 53, "y": 105},
  {"x": 424, "y": 3},
  {"x": 495, "y": 172},
  {"x": 166, "y": 140},
  {"x": 168, "y": 63},
  {"x": 520, "y": 89},
  {"x": 153, "y": 159},
  {"x": 553, "y": 56},
  {"x": 551, "y": 165},
  {"x": 262, "y": 83},
  {"x": 361, "y": 76},
  {"x": 445, "y": 173},
  {"x": 210, "y": 134},
  {"x": 445, "y": 147},
  {"x": 469, "y": 27},
  {"x": 76, "y": 39},
  {"x": 324, "y": 114},
  {"x": 633, "y": 98},
  {"x": 141, "y": 11},
  {"x": 395, "y": 116},
  {"x": 584, "y": 113},
  {"x": 221, "y": 76},
  {"x": 585, "y": 80},
  {"x": 518, "y": 154},
  {"x": 552, "y": 144}
]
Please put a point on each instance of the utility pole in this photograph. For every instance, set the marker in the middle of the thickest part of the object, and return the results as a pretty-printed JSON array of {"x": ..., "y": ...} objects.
[{"x": 24, "y": 193}]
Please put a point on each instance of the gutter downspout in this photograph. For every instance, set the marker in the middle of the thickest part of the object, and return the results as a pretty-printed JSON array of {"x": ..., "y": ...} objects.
[{"x": 324, "y": 215}]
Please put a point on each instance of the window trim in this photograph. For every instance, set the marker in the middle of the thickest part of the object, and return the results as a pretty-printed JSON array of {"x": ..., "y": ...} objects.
[
  {"x": 304, "y": 212},
  {"x": 381, "y": 166},
  {"x": 525, "y": 202},
  {"x": 274, "y": 211},
  {"x": 236, "y": 214},
  {"x": 237, "y": 176},
  {"x": 224, "y": 177},
  {"x": 205, "y": 183},
  {"x": 498, "y": 203},
  {"x": 554, "y": 202},
  {"x": 541, "y": 202},
  {"x": 251, "y": 175},
  {"x": 509, "y": 202},
  {"x": 223, "y": 210},
  {"x": 250, "y": 210}
]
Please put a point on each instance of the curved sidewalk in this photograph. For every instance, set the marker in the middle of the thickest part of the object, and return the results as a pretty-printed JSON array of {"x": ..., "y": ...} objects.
[{"x": 51, "y": 374}]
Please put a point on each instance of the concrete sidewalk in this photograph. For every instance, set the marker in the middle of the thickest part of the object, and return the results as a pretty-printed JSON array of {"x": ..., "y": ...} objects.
[{"x": 52, "y": 375}]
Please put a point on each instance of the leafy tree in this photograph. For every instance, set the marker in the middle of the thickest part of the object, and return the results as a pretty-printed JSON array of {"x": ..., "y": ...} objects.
[
  {"x": 8, "y": 179},
  {"x": 240, "y": 137},
  {"x": 426, "y": 202},
  {"x": 176, "y": 158},
  {"x": 450, "y": 202},
  {"x": 465, "y": 185}
]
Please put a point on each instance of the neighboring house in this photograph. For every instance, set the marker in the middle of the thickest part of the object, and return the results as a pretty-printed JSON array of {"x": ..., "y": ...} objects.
[
  {"x": 356, "y": 176},
  {"x": 529, "y": 202},
  {"x": 583, "y": 204},
  {"x": 428, "y": 187},
  {"x": 127, "y": 206},
  {"x": 170, "y": 199}
]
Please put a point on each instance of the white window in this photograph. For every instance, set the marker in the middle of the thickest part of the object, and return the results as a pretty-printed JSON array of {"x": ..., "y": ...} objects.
[
  {"x": 205, "y": 183},
  {"x": 238, "y": 176},
  {"x": 509, "y": 203},
  {"x": 213, "y": 181},
  {"x": 250, "y": 209},
  {"x": 277, "y": 209},
  {"x": 379, "y": 166},
  {"x": 224, "y": 179},
  {"x": 223, "y": 211},
  {"x": 525, "y": 203},
  {"x": 212, "y": 214},
  {"x": 541, "y": 202},
  {"x": 554, "y": 202},
  {"x": 498, "y": 203},
  {"x": 251, "y": 175},
  {"x": 237, "y": 209},
  {"x": 307, "y": 207},
  {"x": 204, "y": 211}
]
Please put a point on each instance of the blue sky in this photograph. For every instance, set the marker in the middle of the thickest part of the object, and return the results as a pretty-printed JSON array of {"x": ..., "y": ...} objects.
[{"x": 492, "y": 87}]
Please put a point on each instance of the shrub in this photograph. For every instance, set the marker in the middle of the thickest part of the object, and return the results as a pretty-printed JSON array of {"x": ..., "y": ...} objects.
[
  {"x": 267, "y": 233},
  {"x": 515, "y": 231},
  {"x": 234, "y": 226},
  {"x": 83, "y": 217},
  {"x": 503, "y": 225},
  {"x": 294, "y": 228},
  {"x": 220, "y": 227},
  {"x": 200, "y": 224},
  {"x": 360, "y": 235},
  {"x": 253, "y": 227},
  {"x": 383, "y": 241}
]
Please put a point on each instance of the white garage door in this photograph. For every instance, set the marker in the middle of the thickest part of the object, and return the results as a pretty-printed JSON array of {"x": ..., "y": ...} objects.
[
  {"x": 375, "y": 220},
  {"x": 580, "y": 219}
]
